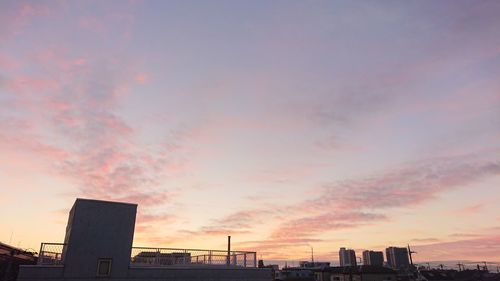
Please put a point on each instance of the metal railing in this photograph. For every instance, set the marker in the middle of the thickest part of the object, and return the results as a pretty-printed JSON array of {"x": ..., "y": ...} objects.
[
  {"x": 142, "y": 256},
  {"x": 51, "y": 254}
]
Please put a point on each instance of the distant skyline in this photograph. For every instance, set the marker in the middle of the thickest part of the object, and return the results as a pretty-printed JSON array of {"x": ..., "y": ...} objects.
[{"x": 286, "y": 124}]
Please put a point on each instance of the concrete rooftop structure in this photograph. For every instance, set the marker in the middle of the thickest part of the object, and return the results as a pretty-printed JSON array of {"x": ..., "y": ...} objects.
[{"x": 98, "y": 244}]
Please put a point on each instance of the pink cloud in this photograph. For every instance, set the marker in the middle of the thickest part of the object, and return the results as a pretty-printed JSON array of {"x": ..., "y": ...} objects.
[
  {"x": 240, "y": 222},
  {"x": 314, "y": 225},
  {"x": 29, "y": 85},
  {"x": 92, "y": 24},
  {"x": 409, "y": 185},
  {"x": 8, "y": 63},
  {"x": 76, "y": 99},
  {"x": 484, "y": 248},
  {"x": 467, "y": 210},
  {"x": 283, "y": 248},
  {"x": 152, "y": 223},
  {"x": 141, "y": 78},
  {"x": 14, "y": 16}
]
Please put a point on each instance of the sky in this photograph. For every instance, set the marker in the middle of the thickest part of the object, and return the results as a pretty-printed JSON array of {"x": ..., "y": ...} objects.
[{"x": 285, "y": 124}]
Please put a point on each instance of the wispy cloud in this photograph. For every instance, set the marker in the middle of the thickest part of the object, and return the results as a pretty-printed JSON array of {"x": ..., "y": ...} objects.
[
  {"x": 412, "y": 184},
  {"x": 425, "y": 240},
  {"x": 464, "y": 235},
  {"x": 484, "y": 248},
  {"x": 467, "y": 210},
  {"x": 306, "y": 227},
  {"x": 319, "y": 120},
  {"x": 77, "y": 100}
]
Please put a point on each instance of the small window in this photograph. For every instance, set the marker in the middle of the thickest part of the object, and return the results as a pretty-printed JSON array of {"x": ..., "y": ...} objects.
[{"x": 103, "y": 267}]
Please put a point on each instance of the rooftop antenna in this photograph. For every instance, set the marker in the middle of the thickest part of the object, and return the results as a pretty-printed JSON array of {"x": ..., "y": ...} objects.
[
  {"x": 228, "y": 260},
  {"x": 409, "y": 253}
]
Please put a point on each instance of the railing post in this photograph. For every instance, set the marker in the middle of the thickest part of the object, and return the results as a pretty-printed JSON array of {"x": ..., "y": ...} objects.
[
  {"x": 184, "y": 257},
  {"x": 254, "y": 259},
  {"x": 245, "y": 260}
]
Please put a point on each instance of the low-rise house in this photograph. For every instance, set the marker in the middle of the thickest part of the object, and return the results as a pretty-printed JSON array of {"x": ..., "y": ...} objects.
[
  {"x": 158, "y": 258},
  {"x": 471, "y": 275},
  {"x": 10, "y": 260},
  {"x": 436, "y": 275},
  {"x": 294, "y": 274}
]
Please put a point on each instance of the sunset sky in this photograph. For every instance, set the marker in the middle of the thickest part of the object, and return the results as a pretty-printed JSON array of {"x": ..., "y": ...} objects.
[{"x": 286, "y": 124}]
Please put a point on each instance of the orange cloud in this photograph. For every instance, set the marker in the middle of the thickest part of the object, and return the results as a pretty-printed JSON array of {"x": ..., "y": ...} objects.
[{"x": 141, "y": 78}]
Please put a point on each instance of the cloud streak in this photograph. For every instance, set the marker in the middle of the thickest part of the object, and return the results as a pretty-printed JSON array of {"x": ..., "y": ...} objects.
[
  {"x": 484, "y": 248},
  {"x": 410, "y": 185}
]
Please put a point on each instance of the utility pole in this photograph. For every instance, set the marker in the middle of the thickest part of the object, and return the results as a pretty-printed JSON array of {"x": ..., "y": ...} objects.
[{"x": 312, "y": 255}]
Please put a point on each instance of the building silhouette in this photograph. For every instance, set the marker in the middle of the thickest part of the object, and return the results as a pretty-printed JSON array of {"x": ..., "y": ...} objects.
[
  {"x": 358, "y": 273},
  {"x": 375, "y": 258},
  {"x": 11, "y": 258},
  {"x": 397, "y": 257},
  {"x": 347, "y": 257}
]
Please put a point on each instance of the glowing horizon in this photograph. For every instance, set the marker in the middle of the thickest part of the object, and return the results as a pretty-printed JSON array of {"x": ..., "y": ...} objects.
[{"x": 285, "y": 124}]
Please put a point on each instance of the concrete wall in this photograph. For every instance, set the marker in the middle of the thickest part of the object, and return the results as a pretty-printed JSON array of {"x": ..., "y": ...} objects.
[
  {"x": 98, "y": 229},
  {"x": 195, "y": 274},
  {"x": 32, "y": 273}
]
